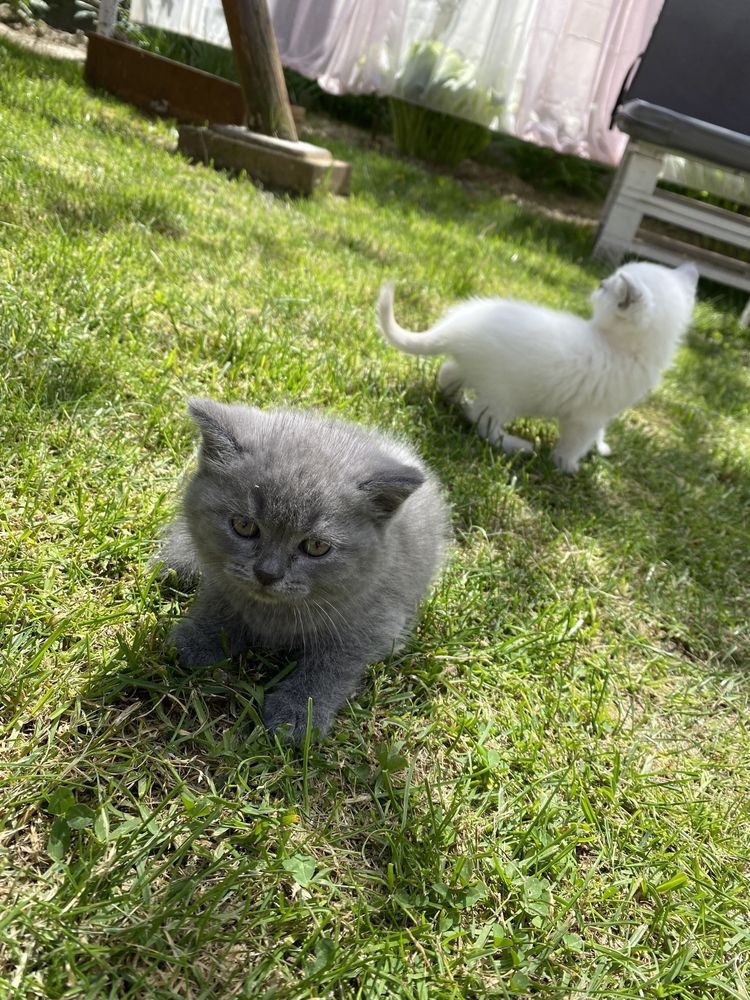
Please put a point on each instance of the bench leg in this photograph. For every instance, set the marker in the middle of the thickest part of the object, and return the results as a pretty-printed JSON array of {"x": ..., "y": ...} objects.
[
  {"x": 745, "y": 317},
  {"x": 636, "y": 176}
]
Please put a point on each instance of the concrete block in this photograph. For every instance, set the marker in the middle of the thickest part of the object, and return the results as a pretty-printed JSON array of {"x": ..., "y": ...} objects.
[{"x": 279, "y": 164}]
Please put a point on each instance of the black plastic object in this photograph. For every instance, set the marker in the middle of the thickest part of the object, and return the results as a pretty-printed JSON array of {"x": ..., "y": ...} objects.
[{"x": 697, "y": 63}]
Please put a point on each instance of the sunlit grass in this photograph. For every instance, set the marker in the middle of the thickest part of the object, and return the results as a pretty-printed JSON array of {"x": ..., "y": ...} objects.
[{"x": 545, "y": 795}]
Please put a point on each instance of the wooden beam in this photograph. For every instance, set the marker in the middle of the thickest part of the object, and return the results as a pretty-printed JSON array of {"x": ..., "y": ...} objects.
[
  {"x": 259, "y": 71},
  {"x": 162, "y": 86}
]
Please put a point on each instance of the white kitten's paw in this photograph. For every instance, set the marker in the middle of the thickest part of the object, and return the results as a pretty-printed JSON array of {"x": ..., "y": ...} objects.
[
  {"x": 603, "y": 448},
  {"x": 565, "y": 464},
  {"x": 513, "y": 445},
  {"x": 489, "y": 432}
]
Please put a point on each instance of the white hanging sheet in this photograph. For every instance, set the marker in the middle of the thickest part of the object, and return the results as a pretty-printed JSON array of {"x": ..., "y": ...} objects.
[{"x": 548, "y": 71}]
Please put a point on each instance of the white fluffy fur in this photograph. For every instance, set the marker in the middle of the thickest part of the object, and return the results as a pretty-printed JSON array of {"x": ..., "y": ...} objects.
[{"x": 511, "y": 359}]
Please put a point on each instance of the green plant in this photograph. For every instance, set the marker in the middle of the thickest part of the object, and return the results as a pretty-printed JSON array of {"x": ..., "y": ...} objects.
[
  {"x": 439, "y": 111},
  {"x": 363, "y": 110}
]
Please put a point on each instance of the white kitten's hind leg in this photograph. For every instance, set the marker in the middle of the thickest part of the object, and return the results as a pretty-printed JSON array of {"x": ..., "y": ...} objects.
[
  {"x": 484, "y": 420},
  {"x": 450, "y": 379},
  {"x": 601, "y": 445},
  {"x": 576, "y": 438},
  {"x": 491, "y": 427}
]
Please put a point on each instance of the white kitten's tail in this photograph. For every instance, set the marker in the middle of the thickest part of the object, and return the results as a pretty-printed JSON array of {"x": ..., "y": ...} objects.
[{"x": 429, "y": 342}]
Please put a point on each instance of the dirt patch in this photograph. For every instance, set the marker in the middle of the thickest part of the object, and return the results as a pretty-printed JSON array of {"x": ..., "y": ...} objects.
[
  {"x": 40, "y": 37},
  {"x": 472, "y": 175}
]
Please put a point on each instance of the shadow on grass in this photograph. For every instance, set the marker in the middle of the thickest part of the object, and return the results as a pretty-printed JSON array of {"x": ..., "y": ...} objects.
[
  {"x": 390, "y": 181},
  {"x": 145, "y": 671},
  {"x": 674, "y": 521},
  {"x": 667, "y": 517},
  {"x": 718, "y": 370},
  {"x": 67, "y": 381},
  {"x": 214, "y": 713}
]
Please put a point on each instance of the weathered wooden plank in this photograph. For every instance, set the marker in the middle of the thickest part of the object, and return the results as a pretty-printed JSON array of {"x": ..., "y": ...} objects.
[
  {"x": 162, "y": 86},
  {"x": 668, "y": 250},
  {"x": 692, "y": 214}
]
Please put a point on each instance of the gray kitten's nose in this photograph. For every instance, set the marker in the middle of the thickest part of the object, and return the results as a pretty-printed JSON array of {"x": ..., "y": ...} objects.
[{"x": 266, "y": 576}]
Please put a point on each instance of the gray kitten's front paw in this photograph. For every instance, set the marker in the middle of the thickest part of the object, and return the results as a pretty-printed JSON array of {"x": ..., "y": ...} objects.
[
  {"x": 195, "y": 647},
  {"x": 285, "y": 714}
]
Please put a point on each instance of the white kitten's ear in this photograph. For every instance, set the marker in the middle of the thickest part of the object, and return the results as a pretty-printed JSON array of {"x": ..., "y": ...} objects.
[
  {"x": 216, "y": 424},
  {"x": 689, "y": 272},
  {"x": 628, "y": 292},
  {"x": 387, "y": 489}
]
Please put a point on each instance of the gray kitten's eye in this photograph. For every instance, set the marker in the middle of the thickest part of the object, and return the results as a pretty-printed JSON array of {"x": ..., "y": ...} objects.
[
  {"x": 244, "y": 526},
  {"x": 314, "y": 547}
]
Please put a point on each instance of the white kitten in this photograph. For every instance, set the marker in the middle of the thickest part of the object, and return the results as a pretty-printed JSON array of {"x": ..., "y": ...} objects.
[{"x": 513, "y": 359}]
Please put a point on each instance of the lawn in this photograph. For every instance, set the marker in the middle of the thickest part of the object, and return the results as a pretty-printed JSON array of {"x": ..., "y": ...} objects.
[{"x": 546, "y": 794}]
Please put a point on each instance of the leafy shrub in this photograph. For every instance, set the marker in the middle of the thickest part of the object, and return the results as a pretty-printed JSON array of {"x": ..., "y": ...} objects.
[
  {"x": 433, "y": 136},
  {"x": 440, "y": 113},
  {"x": 367, "y": 111}
]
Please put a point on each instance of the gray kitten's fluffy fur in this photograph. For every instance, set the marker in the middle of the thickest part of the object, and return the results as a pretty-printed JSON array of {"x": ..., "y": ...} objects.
[{"x": 310, "y": 536}]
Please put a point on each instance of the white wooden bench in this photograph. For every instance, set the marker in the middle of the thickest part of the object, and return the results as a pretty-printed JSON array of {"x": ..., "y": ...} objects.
[{"x": 654, "y": 132}]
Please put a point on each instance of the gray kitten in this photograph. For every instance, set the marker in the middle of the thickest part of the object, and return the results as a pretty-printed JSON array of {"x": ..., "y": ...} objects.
[{"x": 309, "y": 536}]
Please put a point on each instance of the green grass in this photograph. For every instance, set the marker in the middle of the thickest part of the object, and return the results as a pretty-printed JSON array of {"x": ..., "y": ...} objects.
[{"x": 546, "y": 795}]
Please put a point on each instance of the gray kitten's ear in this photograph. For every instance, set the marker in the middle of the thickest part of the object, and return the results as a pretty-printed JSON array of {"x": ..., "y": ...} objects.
[
  {"x": 627, "y": 292},
  {"x": 387, "y": 489},
  {"x": 220, "y": 443}
]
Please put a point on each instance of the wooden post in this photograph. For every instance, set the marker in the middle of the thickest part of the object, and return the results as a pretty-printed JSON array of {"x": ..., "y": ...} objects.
[
  {"x": 635, "y": 179},
  {"x": 261, "y": 78},
  {"x": 107, "y": 20}
]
